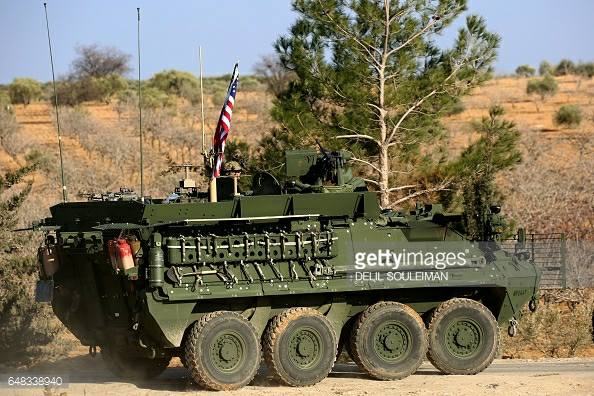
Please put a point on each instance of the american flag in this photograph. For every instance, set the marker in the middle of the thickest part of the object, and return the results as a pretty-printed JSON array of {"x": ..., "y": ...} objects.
[{"x": 224, "y": 124}]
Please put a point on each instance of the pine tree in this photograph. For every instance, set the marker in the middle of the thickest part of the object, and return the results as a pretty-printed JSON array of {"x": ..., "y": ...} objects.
[
  {"x": 495, "y": 151},
  {"x": 369, "y": 77},
  {"x": 27, "y": 328}
]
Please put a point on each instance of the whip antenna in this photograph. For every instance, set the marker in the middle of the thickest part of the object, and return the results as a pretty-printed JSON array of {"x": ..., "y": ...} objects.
[
  {"x": 49, "y": 42},
  {"x": 201, "y": 96},
  {"x": 140, "y": 110}
]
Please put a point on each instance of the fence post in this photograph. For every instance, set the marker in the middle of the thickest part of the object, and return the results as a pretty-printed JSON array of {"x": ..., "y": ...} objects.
[{"x": 564, "y": 260}]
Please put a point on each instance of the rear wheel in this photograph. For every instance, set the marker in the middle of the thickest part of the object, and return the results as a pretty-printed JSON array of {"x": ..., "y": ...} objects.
[
  {"x": 389, "y": 341},
  {"x": 300, "y": 347},
  {"x": 127, "y": 366},
  {"x": 463, "y": 337},
  {"x": 222, "y": 351}
]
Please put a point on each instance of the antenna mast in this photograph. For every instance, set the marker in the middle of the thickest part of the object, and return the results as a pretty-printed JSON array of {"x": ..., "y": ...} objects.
[
  {"x": 140, "y": 110},
  {"x": 201, "y": 97},
  {"x": 49, "y": 42}
]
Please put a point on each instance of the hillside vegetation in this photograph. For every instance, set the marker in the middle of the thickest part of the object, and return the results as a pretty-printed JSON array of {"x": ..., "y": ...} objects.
[{"x": 552, "y": 190}]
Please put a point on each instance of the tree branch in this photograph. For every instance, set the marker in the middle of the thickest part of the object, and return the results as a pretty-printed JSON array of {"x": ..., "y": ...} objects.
[{"x": 367, "y": 163}]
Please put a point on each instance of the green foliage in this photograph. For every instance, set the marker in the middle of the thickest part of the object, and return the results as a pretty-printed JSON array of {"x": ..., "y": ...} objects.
[
  {"x": 547, "y": 329},
  {"x": 377, "y": 89},
  {"x": 175, "y": 82},
  {"x": 24, "y": 90},
  {"x": 564, "y": 68},
  {"x": 28, "y": 329},
  {"x": 72, "y": 92},
  {"x": 545, "y": 68},
  {"x": 152, "y": 98},
  {"x": 525, "y": 71},
  {"x": 4, "y": 100},
  {"x": 568, "y": 115},
  {"x": 585, "y": 70},
  {"x": 544, "y": 87},
  {"x": 496, "y": 150},
  {"x": 456, "y": 107}
]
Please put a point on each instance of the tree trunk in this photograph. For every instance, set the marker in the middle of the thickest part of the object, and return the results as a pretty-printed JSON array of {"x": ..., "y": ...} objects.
[{"x": 384, "y": 165}]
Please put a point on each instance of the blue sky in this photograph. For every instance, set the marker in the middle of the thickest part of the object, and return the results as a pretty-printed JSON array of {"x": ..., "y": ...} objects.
[{"x": 244, "y": 30}]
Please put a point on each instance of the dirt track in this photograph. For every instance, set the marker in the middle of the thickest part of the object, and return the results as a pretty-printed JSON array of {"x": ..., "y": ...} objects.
[{"x": 89, "y": 376}]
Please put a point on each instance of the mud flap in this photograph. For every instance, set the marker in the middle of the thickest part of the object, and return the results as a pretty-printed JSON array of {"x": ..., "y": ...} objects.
[{"x": 44, "y": 291}]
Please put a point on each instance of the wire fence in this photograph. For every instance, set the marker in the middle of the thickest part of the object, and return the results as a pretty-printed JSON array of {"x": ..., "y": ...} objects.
[{"x": 549, "y": 253}]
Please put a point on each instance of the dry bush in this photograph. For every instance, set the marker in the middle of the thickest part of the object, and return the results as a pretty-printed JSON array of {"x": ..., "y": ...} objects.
[
  {"x": 10, "y": 137},
  {"x": 552, "y": 193},
  {"x": 556, "y": 329}
]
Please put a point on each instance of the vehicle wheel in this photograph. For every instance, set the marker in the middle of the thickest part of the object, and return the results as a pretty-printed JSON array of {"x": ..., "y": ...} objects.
[
  {"x": 222, "y": 351},
  {"x": 389, "y": 341},
  {"x": 128, "y": 366},
  {"x": 463, "y": 337},
  {"x": 300, "y": 346}
]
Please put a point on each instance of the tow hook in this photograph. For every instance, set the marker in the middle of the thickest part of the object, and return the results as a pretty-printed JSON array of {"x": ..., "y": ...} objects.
[
  {"x": 513, "y": 327},
  {"x": 93, "y": 350},
  {"x": 533, "y": 304}
]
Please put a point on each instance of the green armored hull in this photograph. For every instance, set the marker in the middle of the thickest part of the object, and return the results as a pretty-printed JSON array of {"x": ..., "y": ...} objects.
[{"x": 294, "y": 275}]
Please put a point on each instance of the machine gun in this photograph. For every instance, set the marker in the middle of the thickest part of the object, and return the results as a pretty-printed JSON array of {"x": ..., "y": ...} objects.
[{"x": 328, "y": 171}]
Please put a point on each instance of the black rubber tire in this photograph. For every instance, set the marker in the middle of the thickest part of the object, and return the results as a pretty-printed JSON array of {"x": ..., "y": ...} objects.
[
  {"x": 409, "y": 324},
  {"x": 445, "y": 314},
  {"x": 198, "y": 351},
  {"x": 276, "y": 341},
  {"x": 127, "y": 366}
]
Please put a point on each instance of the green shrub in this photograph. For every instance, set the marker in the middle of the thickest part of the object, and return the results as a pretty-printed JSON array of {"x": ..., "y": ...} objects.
[
  {"x": 175, "y": 82},
  {"x": 4, "y": 100},
  {"x": 568, "y": 115},
  {"x": 72, "y": 92},
  {"x": 585, "y": 69},
  {"x": 152, "y": 98},
  {"x": 565, "y": 68},
  {"x": 544, "y": 87},
  {"x": 525, "y": 71},
  {"x": 545, "y": 68},
  {"x": 29, "y": 330},
  {"x": 24, "y": 90}
]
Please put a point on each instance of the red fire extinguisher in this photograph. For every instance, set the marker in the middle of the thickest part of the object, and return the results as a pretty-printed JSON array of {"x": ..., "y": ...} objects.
[{"x": 124, "y": 254}]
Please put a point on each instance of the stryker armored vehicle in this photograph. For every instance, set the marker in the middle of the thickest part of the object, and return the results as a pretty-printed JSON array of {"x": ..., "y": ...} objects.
[{"x": 293, "y": 271}]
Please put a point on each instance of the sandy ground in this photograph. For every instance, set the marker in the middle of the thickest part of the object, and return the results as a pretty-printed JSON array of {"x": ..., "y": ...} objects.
[{"x": 88, "y": 376}]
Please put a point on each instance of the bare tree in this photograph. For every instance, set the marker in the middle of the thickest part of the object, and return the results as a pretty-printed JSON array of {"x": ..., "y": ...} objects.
[
  {"x": 275, "y": 76},
  {"x": 96, "y": 61}
]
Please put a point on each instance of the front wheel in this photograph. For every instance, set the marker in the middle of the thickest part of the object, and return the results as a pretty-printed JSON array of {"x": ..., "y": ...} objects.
[
  {"x": 463, "y": 337},
  {"x": 127, "y": 366}
]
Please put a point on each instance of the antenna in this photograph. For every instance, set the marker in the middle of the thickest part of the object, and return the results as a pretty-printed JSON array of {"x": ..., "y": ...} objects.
[
  {"x": 201, "y": 96},
  {"x": 49, "y": 42},
  {"x": 140, "y": 111}
]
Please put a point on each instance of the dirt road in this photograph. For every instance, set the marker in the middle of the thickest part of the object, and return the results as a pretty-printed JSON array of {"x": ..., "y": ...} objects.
[{"x": 88, "y": 376}]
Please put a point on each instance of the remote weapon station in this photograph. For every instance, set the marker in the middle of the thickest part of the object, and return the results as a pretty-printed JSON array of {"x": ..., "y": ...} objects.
[{"x": 293, "y": 271}]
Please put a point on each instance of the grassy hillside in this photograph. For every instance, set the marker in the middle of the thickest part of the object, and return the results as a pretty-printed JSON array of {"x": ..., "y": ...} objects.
[{"x": 551, "y": 191}]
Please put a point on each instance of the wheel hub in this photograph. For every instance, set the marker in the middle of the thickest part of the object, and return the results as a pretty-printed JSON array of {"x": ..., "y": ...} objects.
[
  {"x": 227, "y": 351},
  {"x": 464, "y": 338},
  {"x": 392, "y": 341},
  {"x": 305, "y": 347}
]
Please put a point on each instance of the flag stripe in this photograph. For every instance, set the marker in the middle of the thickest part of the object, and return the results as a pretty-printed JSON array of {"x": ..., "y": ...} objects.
[{"x": 224, "y": 124}]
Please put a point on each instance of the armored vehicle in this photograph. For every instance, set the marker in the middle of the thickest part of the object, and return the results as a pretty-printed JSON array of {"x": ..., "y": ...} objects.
[{"x": 293, "y": 271}]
